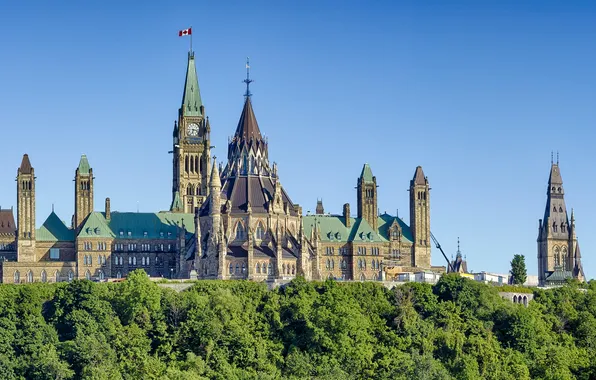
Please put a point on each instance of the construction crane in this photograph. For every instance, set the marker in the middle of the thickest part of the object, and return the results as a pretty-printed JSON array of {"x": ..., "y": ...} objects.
[{"x": 449, "y": 266}]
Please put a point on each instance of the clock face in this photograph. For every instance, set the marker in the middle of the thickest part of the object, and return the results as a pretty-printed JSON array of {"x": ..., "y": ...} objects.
[{"x": 193, "y": 130}]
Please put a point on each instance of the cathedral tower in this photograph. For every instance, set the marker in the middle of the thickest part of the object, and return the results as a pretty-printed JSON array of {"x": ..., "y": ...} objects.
[
  {"x": 26, "y": 211},
  {"x": 420, "y": 218},
  {"x": 191, "y": 146},
  {"x": 83, "y": 192},
  {"x": 558, "y": 250},
  {"x": 367, "y": 197}
]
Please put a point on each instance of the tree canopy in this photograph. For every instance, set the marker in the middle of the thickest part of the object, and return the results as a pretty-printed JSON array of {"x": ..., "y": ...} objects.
[
  {"x": 518, "y": 269},
  {"x": 456, "y": 329}
]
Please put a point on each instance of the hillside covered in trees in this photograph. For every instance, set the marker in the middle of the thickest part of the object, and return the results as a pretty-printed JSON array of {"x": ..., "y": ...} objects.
[{"x": 240, "y": 330}]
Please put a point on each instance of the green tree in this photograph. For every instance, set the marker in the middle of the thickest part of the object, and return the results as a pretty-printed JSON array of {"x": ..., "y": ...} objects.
[{"x": 518, "y": 269}]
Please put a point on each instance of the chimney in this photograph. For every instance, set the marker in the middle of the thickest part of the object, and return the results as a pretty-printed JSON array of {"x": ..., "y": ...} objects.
[
  {"x": 108, "y": 211},
  {"x": 347, "y": 215}
]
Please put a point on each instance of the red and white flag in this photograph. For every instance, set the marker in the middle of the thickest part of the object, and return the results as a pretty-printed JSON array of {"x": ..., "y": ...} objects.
[{"x": 185, "y": 32}]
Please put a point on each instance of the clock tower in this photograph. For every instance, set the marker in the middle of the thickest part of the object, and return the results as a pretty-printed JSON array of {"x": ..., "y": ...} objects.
[{"x": 191, "y": 147}]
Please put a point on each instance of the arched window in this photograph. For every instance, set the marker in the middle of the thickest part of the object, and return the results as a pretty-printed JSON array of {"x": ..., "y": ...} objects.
[
  {"x": 555, "y": 226},
  {"x": 270, "y": 269},
  {"x": 283, "y": 268},
  {"x": 554, "y": 208},
  {"x": 70, "y": 275},
  {"x": 101, "y": 275},
  {"x": 237, "y": 268},
  {"x": 17, "y": 277},
  {"x": 196, "y": 163},
  {"x": 57, "y": 276},
  {"x": 118, "y": 275},
  {"x": 562, "y": 227},
  {"x": 189, "y": 190},
  {"x": 120, "y": 260},
  {"x": 243, "y": 268},
  {"x": 557, "y": 256},
  {"x": 90, "y": 260},
  {"x": 260, "y": 231},
  {"x": 44, "y": 276},
  {"x": 525, "y": 300},
  {"x": 560, "y": 209},
  {"x": 88, "y": 275},
  {"x": 240, "y": 231},
  {"x": 85, "y": 260},
  {"x": 332, "y": 264},
  {"x": 565, "y": 259},
  {"x": 258, "y": 268},
  {"x": 186, "y": 164},
  {"x": 231, "y": 269},
  {"x": 327, "y": 264},
  {"x": 293, "y": 269},
  {"x": 264, "y": 267},
  {"x": 29, "y": 276},
  {"x": 362, "y": 277}
]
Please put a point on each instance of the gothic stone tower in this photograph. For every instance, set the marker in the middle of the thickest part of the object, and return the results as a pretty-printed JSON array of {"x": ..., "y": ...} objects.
[
  {"x": 83, "y": 192},
  {"x": 26, "y": 211},
  {"x": 250, "y": 229},
  {"x": 420, "y": 218},
  {"x": 367, "y": 197},
  {"x": 191, "y": 147},
  {"x": 558, "y": 249}
]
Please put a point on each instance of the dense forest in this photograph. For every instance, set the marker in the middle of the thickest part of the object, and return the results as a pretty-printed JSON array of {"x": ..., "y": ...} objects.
[{"x": 325, "y": 330}]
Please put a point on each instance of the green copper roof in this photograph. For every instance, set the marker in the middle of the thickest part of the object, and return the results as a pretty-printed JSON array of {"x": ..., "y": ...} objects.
[
  {"x": 136, "y": 225},
  {"x": 333, "y": 229},
  {"x": 363, "y": 232},
  {"x": 84, "y": 165},
  {"x": 191, "y": 99},
  {"x": 53, "y": 229},
  {"x": 386, "y": 221},
  {"x": 176, "y": 203},
  {"x": 366, "y": 174}
]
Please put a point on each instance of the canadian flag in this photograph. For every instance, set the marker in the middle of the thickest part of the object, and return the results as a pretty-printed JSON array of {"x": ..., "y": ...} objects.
[{"x": 185, "y": 32}]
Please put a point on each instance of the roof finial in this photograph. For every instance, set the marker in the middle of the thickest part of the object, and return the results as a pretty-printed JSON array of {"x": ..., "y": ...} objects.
[
  {"x": 52, "y": 207},
  {"x": 557, "y": 157},
  {"x": 458, "y": 251},
  {"x": 551, "y": 157},
  {"x": 248, "y": 81}
]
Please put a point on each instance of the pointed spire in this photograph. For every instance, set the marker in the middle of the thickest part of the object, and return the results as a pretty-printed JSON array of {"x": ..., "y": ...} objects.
[
  {"x": 366, "y": 174},
  {"x": 83, "y": 165},
  {"x": 215, "y": 181},
  {"x": 248, "y": 81},
  {"x": 555, "y": 175},
  {"x": 248, "y": 128},
  {"x": 419, "y": 178},
  {"x": 458, "y": 254},
  {"x": 191, "y": 98},
  {"x": 25, "y": 165}
]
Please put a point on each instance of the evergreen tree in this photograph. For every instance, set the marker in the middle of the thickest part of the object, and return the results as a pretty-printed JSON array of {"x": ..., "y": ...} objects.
[{"x": 518, "y": 269}]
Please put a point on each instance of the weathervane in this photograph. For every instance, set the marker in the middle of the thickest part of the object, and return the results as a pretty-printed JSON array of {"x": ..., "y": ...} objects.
[{"x": 248, "y": 81}]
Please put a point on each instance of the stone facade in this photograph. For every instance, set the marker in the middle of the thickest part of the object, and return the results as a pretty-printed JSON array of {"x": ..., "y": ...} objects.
[
  {"x": 232, "y": 221},
  {"x": 559, "y": 256}
]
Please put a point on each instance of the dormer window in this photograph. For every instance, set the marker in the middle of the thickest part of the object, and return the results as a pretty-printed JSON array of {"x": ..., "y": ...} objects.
[
  {"x": 129, "y": 233},
  {"x": 161, "y": 234},
  {"x": 121, "y": 233},
  {"x": 144, "y": 233}
]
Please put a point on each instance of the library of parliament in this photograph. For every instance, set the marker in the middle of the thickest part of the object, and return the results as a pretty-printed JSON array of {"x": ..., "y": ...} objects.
[{"x": 237, "y": 221}]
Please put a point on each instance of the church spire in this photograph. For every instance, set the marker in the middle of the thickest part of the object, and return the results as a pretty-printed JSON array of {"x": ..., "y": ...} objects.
[{"x": 191, "y": 97}]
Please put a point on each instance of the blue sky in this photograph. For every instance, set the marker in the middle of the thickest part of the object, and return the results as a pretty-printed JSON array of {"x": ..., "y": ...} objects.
[{"x": 478, "y": 93}]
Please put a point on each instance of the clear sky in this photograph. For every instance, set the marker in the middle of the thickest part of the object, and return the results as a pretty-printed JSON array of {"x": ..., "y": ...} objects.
[{"x": 477, "y": 92}]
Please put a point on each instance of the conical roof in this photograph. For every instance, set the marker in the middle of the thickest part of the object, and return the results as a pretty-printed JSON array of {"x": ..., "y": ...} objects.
[
  {"x": 25, "y": 165},
  {"x": 555, "y": 175},
  {"x": 215, "y": 181},
  {"x": 248, "y": 128},
  {"x": 84, "y": 165},
  {"x": 366, "y": 174},
  {"x": 419, "y": 178}
]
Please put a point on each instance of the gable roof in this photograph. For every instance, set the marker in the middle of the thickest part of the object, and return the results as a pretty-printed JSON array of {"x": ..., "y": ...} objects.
[
  {"x": 333, "y": 229},
  {"x": 54, "y": 229},
  {"x": 7, "y": 224},
  {"x": 155, "y": 225}
]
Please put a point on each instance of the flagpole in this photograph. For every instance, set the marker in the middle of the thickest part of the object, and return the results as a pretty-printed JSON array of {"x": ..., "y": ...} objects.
[{"x": 190, "y": 39}]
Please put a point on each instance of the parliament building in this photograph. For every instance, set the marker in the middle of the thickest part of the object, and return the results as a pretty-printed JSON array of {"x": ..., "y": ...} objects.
[{"x": 234, "y": 220}]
